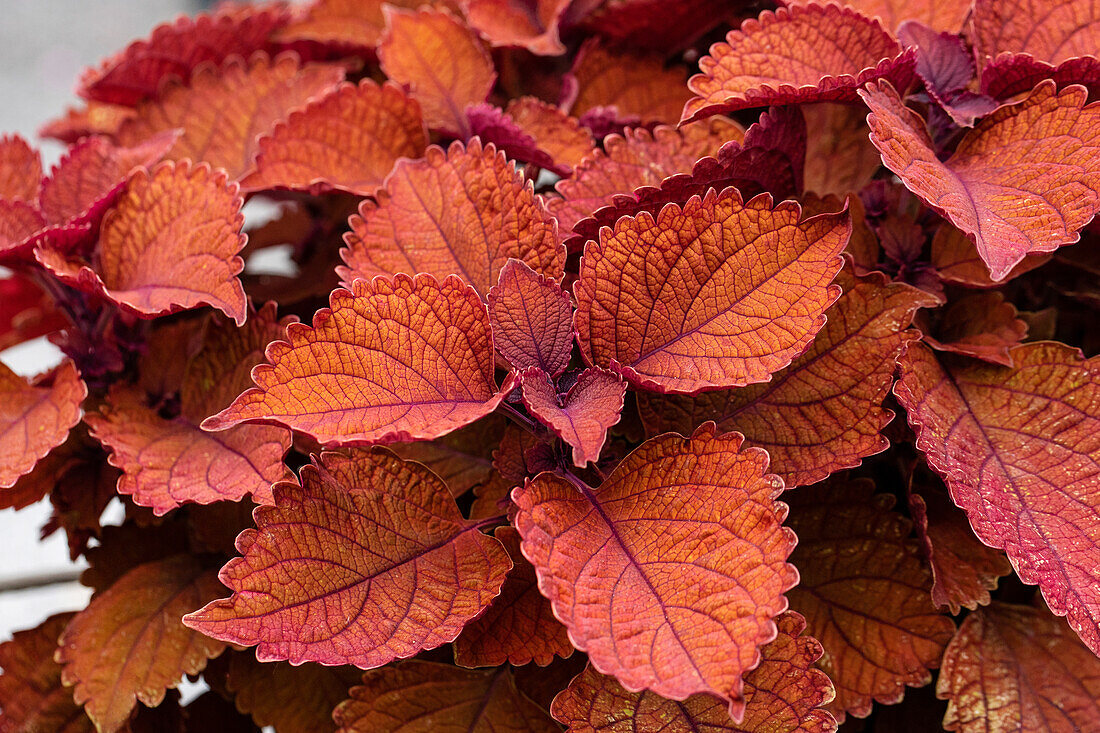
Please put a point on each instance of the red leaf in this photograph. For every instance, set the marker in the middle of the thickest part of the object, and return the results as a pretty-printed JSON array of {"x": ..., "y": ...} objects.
[
  {"x": 167, "y": 463},
  {"x": 670, "y": 305},
  {"x": 94, "y": 118},
  {"x": 562, "y": 137},
  {"x": 963, "y": 569},
  {"x": 305, "y": 590},
  {"x": 824, "y": 412},
  {"x": 440, "y": 60},
  {"x": 794, "y": 55},
  {"x": 519, "y": 626},
  {"x": 348, "y": 140},
  {"x": 941, "y": 15},
  {"x": 785, "y": 693},
  {"x": 683, "y": 616},
  {"x": 532, "y": 319},
  {"x": 864, "y": 593},
  {"x": 1024, "y": 180},
  {"x": 493, "y": 126},
  {"x": 982, "y": 325},
  {"x": 291, "y": 699},
  {"x": 224, "y": 110},
  {"x": 1018, "y": 448},
  {"x": 174, "y": 50},
  {"x": 443, "y": 699},
  {"x": 633, "y": 87},
  {"x": 31, "y": 693},
  {"x": 170, "y": 244},
  {"x": 581, "y": 416},
  {"x": 529, "y": 24},
  {"x": 128, "y": 645},
  {"x": 19, "y": 221},
  {"x": 20, "y": 169},
  {"x": 654, "y": 25},
  {"x": 465, "y": 211},
  {"x": 35, "y": 417},
  {"x": 1013, "y": 668},
  {"x": 956, "y": 260},
  {"x": 637, "y": 158},
  {"x": 946, "y": 66},
  {"x": 419, "y": 354}
]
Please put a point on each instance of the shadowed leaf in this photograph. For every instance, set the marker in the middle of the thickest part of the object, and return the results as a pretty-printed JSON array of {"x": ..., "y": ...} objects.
[
  {"x": 532, "y": 319},
  {"x": 634, "y": 87},
  {"x": 463, "y": 459},
  {"x": 529, "y": 24},
  {"x": 292, "y": 699},
  {"x": 556, "y": 133},
  {"x": 982, "y": 325},
  {"x": 35, "y": 417},
  {"x": 956, "y": 260},
  {"x": 582, "y": 416},
  {"x": 840, "y": 158}
]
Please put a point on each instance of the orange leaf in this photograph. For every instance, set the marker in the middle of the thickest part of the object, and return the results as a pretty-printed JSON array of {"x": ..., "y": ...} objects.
[
  {"x": 31, "y": 694},
  {"x": 956, "y": 260},
  {"x": 463, "y": 459},
  {"x": 864, "y": 593},
  {"x": 1024, "y": 180},
  {"x": 562, "y": 137},
  {"x": 348, "y": 140},
  {"x": 519, "y": 626},
  {"x": 19, "y": 221},
  {"x": 465, "y": 211},
  {"x": 170, "y": 244},
  {"x": 840, "y": 158},
  {"x": 94, "y": 118},
  {"x": 529, "y": 24},
  {"x": 794, "y": 55},
  {"x": 824, "y": 412},
  {"x": 305, "y": 590},
  {"x": 128, "y": 645},
  {"x": 963, "y": 569},
  {"x": 421, "y": 696},
  {"x": 35, "y": 418},
  {"x": 683, "y": 616},
  {"x": 174, "y": 50},
  {"x": 442, "y": 62},
  {"x": 226, "y": 109},
  {"x": 785, "y": 693},
  {"x": 1018, "y": 448},
  {"x": 532, "y": 319},
  {"x": 20, "y": 169},
  {"x": 982, "y": 325},
  {"x": 1051, "y": 31},
  {"x": 1014, "y": 668},
  {"x": 637, "y": 158},
  {"x": 167, "y": 463},
  {"x": 639, "y": 89},
  {"x": 681, "y": 309},
  {"x": 940, "y": 15},
  {"x": 27, "y": 312},
  {"x": 582, "y": 416},
  {"x": 354, "y": 24}
]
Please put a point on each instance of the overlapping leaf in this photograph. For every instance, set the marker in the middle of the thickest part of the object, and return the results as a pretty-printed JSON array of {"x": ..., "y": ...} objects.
[
  {"x": 35, "y": 417},
  {"x": 682, "y": 616},
  {"x": 519, "y": 626},
  {"x": 464, "y": 458},
  {"x": 128, "y": 645},
  {"x": 681, "y": 310},
  {"x": 464, "y": 211},
  {"x": 304, "y": 589},
  {"x": 19, "y": 221},
  {"x": 1050, "y": 31},
  {"x": 633, "y": 88},
  {"x": 348, "y": 140},
  {"x": 824, "y": 412},
  {"x": 941, "y": 15},
  {"x": 174, "y": 50},
  {"x": 170, "y": 244},
  {"x": 946, "y": 66},
  {"x": 803, "y": 53},
  {"x": 20, "y": 169},
  {"x": 226, "y": 109},
  {"x": 839, "y": 156},
  {"x": 582, "y": 415},
  {"x": 421, "y": 697},
  {"x": 982, "y": 325},
  {"x": 1014, "y": 668},
  {"x": 956, "y": 260},
  {"x": 94, "y": 118},
  {"x": 1019, "y": 449},
  {"x": 864, "y": 593},
  {"x": 529, "y": 24},
  {"x": 1024, "y": 180},
  {"x": 291, "y": 699},
  {"x": 651, "y": 24},
  {"x": 532, "y": 319},
  {"x": 963, "y": 569},
  {"x": 441, "y": 61},
  {"x": 785, "y": 693},
  {"x": 390, "y": 360},
  {"x": 562, "y": 137},
  {"x": 344, "y": 24},
  {"x": 31, "y": 694}
]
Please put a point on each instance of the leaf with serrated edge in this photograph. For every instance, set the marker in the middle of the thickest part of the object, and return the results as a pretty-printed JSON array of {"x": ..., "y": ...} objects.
[
  {"x": 532, "y": 319},
  {"x": 638, "y": 88},
  {"x": 388, "y": 361},
  {"x": 824, "y": 412},
  {"x": 1050, "y": 31},
  {"x": 522, "y": 23},
  {"x": 342, "y": 24},
  {"x": 305, "y": 591},
  {"x": 20, "y": 169},
  {"x": 582, "y": 416},
  {"x": 555, "y": 132},
  {"x": 35, "y": 419},
  {"x": 797, "y": 54},
  {"x": 170, "y": 244},
  {"x": 463, "y": 458},
  {"x": 128, "y": 645},
  {"x": 716, "y": 293},
  {"x": 941, "y": 15},
  {"x": 785, "y": 693},
  {"x": 864, "y": 593},
  {"x": 1019, "y": 448},
  {"x": 291, "y": 699},
  {"x": 983, "y": 325},
  {"x": 421, "y": 697},
  {"x": 1014, "y": 668},
  {"x": 1024, "y": 180},
  {"x": 683, "y": 615}
]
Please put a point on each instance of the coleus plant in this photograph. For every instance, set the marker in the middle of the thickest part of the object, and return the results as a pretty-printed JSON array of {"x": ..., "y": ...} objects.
[{"x": 577, "y": 408}]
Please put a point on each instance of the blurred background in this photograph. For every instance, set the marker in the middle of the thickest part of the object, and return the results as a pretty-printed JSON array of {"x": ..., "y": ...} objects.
[{"x": 44, "y": 46}]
